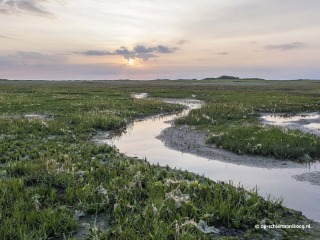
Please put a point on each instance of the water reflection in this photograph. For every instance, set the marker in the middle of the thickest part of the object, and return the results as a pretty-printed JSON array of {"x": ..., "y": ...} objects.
[
  {"x": 139, "y": 95},
  {"x": 313, "y": 125},
  {"x": 140, "y": 141},
  {"x": 308, "y": 122},
  {"x": 280, "y": 119}
]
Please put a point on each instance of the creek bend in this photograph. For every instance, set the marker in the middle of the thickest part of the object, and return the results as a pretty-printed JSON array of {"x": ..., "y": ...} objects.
[{"x": 140, "y": 140}]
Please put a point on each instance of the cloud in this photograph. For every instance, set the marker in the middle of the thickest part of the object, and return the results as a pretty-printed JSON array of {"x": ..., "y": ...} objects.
[
  {"x": 121, "y": 51},
  {"x": 143, "y": 49},
  {"x": 35, "y": 65},
  {"x": 29, "y": 58},
  {"x": 62, "y": 71},
  {"x": 97, "y": 53},
  {"x": 159, "y": 49},
  {"x": 24, "y": 6},
  {"x": 285, "y": 47},
  {"x": 164, "y": 49},
  {"x": 180, "y": 42},
  {"x": 2, "y": 36},
  {"x": 222, "y": 53},
  {"x": 138, "y": 52},
  {"x": 249, "y": 18}
]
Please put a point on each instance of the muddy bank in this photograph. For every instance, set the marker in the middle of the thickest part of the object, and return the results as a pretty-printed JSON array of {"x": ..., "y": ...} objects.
[
  {"x": 311, "y": 177},
  {"x": 188, "y": 140}
]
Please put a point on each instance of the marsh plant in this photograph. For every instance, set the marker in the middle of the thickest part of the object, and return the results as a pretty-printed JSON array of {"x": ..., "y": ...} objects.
[
  {"x": 269, "y": 141},
  {"x": 52, "y": 176},
  {"x": 232, "y": 122}
]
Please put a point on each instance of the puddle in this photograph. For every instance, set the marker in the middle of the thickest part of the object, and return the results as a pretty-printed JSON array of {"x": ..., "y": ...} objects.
[
  {"x": 280, "y": 119},
  {"x": 139, "y": 95},
  {"x": 29, "y": 116},
  {"x": 140, "y": 141},
  {"x": 37, "y": 116},
  {"x": 313, "y": 125},
  {"x": 305, "y": 122},
  {"x": 189, "y": 103}
]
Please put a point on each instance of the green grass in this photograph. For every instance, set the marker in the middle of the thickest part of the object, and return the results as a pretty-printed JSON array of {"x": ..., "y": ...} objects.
[
  {"x": 268, "y": 141},
  {"x": 234, "y": 117},
  {"x": 49, "y": 168},
  {"x": 40, "y": 198}
]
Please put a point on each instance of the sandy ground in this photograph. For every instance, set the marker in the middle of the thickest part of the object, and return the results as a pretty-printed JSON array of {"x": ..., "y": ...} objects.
[{"x": 187, "y": 139}]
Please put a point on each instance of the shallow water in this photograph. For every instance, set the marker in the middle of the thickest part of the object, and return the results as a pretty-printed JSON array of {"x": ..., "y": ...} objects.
[
  {"x": 139, "y": 95},
  {"x": 313, "y": 125},
  {"x": 36, "y": 116},
  {"x": 140, "y": 141},
  {"x": 307, "y": 122},
  {"x": 28, "y": 116},
  {"x": 280, "y": 119}
]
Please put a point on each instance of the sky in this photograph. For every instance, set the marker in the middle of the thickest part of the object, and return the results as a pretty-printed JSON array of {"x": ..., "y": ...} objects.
[{"x": 159, "y": 39}]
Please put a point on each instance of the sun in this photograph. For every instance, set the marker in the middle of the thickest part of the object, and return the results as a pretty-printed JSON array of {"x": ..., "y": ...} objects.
[{"x": 131, "y": 61}]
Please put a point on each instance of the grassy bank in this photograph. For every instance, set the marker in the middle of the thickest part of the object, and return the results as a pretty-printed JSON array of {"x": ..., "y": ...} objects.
[
  {"x": 41, "y": 199},
  {"x": 232, "y": 118},
  {"x": 264, "y": 141},
  {"x": 52, "y": 176}
]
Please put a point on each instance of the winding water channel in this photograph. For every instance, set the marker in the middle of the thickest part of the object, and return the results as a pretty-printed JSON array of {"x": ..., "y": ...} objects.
[{"x": 139, "y": 140}]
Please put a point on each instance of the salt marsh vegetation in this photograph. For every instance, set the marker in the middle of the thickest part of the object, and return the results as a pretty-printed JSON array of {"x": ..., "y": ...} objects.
[{"x": 52, "y": 176}]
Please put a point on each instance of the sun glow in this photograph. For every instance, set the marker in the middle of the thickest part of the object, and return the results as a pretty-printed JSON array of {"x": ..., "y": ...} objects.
[{"x": 131, "y": 61}]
